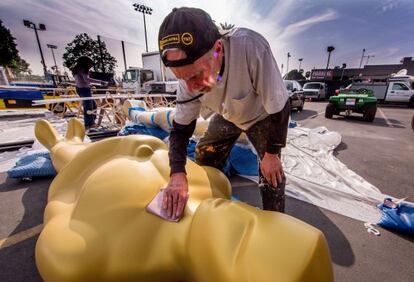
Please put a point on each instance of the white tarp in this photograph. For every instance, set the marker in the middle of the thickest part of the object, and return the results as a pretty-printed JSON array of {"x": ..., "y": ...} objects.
[
  {"x": 21, "y": 130},
  {"x": 316, "y": 176}
]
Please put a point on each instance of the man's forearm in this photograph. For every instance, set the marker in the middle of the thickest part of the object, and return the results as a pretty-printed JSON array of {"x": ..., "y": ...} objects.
[
  {"x": 179, "y": 137},
  {"x": 278, "y": 131}
]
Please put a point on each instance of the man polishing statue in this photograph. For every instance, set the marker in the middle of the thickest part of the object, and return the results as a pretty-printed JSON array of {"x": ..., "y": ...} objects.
[{"x": 234, "y": 77}]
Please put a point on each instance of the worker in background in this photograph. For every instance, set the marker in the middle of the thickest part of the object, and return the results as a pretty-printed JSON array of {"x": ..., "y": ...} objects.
[
  {"x": 235, "y": 78},
  {"x": 83, "y": 87}
]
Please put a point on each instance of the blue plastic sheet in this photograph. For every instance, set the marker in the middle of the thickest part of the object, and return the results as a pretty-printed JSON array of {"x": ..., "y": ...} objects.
[
  {"x": 241, "y": 161},
  {"x": 397, "y": 217},
  {"x": 33, "y": 165},
  {"x": 20, "y": 95},
  {"x": 145, "y": 130}
]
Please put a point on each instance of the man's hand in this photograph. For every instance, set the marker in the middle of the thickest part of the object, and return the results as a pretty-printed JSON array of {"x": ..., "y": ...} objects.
[
  {"x": 271, "y": 168},
  {"x": 176, "y": 195}
]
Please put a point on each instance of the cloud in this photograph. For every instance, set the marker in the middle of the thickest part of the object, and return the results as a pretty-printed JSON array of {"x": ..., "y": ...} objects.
[
  {"x": 389, "y": 5},
  {"x": 300, "y": 26}
]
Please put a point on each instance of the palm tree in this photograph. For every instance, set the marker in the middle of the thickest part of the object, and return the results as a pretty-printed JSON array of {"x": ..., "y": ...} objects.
[{"x": 226, "y": 26}]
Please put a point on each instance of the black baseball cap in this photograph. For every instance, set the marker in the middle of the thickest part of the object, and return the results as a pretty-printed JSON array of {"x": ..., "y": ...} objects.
[{"x": 189, "y": 29}]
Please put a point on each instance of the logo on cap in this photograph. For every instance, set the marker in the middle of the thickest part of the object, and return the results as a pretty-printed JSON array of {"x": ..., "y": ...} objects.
[
  {"x": 187, "y": 38},
  {"x": 170, "y": 39}
]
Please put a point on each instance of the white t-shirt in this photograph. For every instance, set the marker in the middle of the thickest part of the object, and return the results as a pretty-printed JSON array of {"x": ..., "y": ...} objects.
[{"x": 250, "y": 90}]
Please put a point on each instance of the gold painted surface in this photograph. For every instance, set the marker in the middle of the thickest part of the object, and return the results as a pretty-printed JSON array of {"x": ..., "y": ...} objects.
[{"x": 96, "y": 227}]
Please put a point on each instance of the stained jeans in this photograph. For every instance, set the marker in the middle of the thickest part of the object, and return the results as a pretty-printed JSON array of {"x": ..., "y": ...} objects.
[
  {"x": 88, "y": 105},
  {"x": 216, "y": 144}
]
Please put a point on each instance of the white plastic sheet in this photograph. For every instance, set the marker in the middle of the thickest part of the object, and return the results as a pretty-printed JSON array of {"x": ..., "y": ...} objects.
[{"x": 316, "y": 176}]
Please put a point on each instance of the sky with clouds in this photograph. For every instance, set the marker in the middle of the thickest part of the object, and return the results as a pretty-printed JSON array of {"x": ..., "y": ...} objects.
[{"x": 302, "y": 27}]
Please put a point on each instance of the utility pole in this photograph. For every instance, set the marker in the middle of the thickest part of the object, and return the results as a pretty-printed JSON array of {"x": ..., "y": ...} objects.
[
  {"x": 369, "y": 56},
  {"x": 362, "y": 57},
  {"x": 53, "y": 54},
  {"x": 144, "y": 10},
  {"x": 31, "y": 25}
]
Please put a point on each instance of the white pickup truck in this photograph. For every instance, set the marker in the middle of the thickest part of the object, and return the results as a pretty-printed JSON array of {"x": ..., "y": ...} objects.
[
  {"x": 317, "y": 90},
  {"x": 396, "y": 89}
]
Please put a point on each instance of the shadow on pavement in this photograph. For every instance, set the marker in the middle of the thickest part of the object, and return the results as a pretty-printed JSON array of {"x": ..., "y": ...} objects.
[
  {"x": 305, "y": 114},
  {"x": 377, "y": 121},
  {"x": 33, "y": 200},
  {"x": 341, "y": 147},
  {"x": 18, "y": 260},
  {"x": 340, "y": 248}
]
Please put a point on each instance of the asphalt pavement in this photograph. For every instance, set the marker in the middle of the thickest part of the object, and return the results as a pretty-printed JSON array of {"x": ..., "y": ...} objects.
[{"x": 382, "y": 152}]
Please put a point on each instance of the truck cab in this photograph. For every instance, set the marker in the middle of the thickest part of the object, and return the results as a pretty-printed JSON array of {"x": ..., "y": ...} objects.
[
  {"x": 400, "y": 91},
  {"x": 396, "y": 89},
  {"x": 137, "y": 79}
]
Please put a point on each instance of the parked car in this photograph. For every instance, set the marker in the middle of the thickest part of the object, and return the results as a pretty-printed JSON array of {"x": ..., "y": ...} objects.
[
  {"x": 296, "y": 97},
  {"x": 315, "y": 90}
]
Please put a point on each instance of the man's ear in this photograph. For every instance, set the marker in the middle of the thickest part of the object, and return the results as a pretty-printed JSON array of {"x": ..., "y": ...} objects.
[{"x": 218, "y": 47}]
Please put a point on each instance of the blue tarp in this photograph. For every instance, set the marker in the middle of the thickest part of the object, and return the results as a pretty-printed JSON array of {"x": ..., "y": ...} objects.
[
  {"x": 142, "y": 129},
  {"x": 398, "y": 217},
  {"x": 33, "y": 165},
  {"x": 41, "y": 85},
  {"x": 241, "y": 161},
  {"x": 21, "y": 95}
]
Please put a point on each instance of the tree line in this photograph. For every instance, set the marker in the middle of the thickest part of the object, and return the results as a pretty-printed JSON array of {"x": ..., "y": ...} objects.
[{"x": 81, "y": 45}]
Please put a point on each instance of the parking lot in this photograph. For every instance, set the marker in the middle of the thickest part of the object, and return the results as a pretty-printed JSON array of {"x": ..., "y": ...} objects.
[{"x": 382, "y": 152}]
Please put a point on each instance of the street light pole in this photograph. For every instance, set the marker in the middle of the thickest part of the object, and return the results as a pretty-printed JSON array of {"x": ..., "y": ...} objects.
[
  {"x": 362, "y": 57},
  {"x": 145, "y": 32},
  {"x": 343, "y": 68},
  {"x": 53, "y": 54},
  {"x": 329, "y": 50},
  {"x": 300, "y": 63},
  {"x": 144, "y": 10},
  {"x": 31, "y": 25},
  {"x": 287, "y": 63}
]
